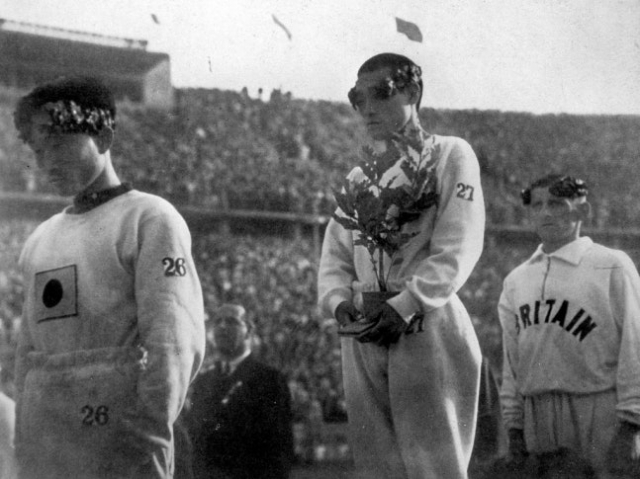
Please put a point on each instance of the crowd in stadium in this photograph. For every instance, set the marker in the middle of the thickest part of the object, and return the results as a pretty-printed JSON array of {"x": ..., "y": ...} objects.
[
  {"x": 224, "y": 149},
  {"x": 275, "y": 278},
  {"x": 285, "y": 154}
]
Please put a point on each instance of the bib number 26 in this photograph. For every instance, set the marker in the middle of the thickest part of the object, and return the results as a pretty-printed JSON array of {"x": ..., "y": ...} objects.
[{"x": 95, "y": 416}]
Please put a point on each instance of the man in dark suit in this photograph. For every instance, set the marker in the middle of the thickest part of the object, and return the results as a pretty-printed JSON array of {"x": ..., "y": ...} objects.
[{"x": 240, "y": 419}]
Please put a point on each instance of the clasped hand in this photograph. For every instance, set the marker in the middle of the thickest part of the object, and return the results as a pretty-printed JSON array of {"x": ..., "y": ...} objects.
[
  {"x": 389, "y": 325},
  {"x": 517, "y": 452},
  {"x": 623, "y": 456}
]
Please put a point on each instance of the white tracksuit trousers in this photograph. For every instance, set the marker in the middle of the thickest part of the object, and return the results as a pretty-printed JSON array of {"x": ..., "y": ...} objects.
[{"x": 413, "y": 406}]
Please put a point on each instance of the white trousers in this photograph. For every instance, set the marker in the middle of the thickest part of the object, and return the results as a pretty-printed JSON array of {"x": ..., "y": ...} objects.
[
  {"x": 584, "y": 423},
  {"x": 413, "y": 407}
]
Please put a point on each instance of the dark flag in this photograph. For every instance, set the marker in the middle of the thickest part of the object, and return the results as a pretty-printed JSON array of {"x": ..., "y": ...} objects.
[
  {"x": 154, "y": 17},
  {"x": 411, "y": 30},
  {"x": 281, "y": 25}
]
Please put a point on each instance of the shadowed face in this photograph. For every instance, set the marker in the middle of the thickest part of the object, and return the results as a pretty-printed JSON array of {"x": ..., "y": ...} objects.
[
  {"x": 71, "y": 162},
  {"x": 384, "y": 112},
  {"x": 556, "y": 219},
  {"x": 230, "y": 336}
]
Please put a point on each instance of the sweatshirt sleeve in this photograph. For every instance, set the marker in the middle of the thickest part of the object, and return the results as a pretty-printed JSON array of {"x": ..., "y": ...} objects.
[
  {"x": 170, "y": 320},
  {"x": 8, "y": 466},
  {"x": 336, "y": 272},
  {"x": 625, "y": 304},
  {"x": 24, "y": 347},
  {"x": 458, "y": 235},
  {"x": 511, "y": 400}
]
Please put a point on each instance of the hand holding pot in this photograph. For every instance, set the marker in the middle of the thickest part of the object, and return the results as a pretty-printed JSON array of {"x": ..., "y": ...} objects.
[
  {"x": 389, "y": 326},
  {"x": 346, "y": 313}
]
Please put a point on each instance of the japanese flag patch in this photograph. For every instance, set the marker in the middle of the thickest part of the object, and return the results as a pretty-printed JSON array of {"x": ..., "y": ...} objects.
[{"x": 56, "y": 293}]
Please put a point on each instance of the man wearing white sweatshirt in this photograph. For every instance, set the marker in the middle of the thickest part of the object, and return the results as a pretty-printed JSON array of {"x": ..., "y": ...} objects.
[
  {"x": 113, "y": 324},
  {"x": 412, "y": 382},
  {"x": 570, "y": 316}
]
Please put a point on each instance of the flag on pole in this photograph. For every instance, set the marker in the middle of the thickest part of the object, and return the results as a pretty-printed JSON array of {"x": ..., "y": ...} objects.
[
  {"x": 154, "y": 17},
  {"x": 281, "y": 25},
  {"x": 411, "y": 30}
]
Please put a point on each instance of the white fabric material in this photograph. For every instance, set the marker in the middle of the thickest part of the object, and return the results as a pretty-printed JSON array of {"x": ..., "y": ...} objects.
[
  {"x": 113, "y": 320},
  {"x": 571, "y": 324},
  {"x": 8, "y": 466},
  {"x": 412, "y": 407},
  {"x": 434, "y": 264},
  {"x": 585, "y": 424}
]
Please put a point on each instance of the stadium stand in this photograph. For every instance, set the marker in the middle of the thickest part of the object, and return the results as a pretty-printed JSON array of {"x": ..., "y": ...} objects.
[
  {"x": 31, "y": 54},
  {"x": 220, "y": 148},
  {"x": 217, "y": 150}
]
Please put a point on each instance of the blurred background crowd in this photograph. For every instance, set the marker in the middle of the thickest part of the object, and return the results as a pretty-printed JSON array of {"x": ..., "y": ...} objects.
[
  {"x": 219, "y": 148},
  {"x": 227, "y": 150}
]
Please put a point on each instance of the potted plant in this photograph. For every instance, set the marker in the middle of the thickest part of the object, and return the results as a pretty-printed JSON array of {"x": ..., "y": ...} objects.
[{"x": 390, "y": 190}]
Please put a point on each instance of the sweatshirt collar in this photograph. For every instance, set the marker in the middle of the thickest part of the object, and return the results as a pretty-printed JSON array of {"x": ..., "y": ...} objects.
[
  {"x": 571, "y": 253},
  {"x": 84, "y": 202}
]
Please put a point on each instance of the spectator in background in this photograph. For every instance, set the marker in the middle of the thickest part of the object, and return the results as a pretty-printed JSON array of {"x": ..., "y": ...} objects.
[
  {"x": 570, "y": 316},
  {"x": 240, "y": 418},
  {"x": 412, "y": 393},
  {"x": 112, "y": 330}
]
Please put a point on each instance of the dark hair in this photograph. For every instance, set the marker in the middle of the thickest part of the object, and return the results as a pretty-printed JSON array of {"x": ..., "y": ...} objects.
[
  {"x": 563, "y": 186},
  {"x": 404, "y": 70},
  {"x": 95, "y": 102}
]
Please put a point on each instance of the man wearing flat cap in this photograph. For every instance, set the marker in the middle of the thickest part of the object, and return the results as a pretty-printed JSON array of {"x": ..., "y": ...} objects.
[{"x": 240, "y": 420}]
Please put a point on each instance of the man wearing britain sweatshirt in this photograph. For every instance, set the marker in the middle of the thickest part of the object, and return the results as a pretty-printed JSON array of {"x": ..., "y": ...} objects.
[{"x": 570, "y": 318}]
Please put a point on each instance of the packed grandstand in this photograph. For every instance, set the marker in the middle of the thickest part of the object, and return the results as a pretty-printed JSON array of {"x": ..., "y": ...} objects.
[
  {"x": 213, "y": 150},
  {"x": 226, "y": 149}
]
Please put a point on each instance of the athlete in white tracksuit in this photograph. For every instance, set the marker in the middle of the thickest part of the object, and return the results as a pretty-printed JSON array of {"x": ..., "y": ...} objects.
[
  {"x": 412, "y": 406},
  {"x": 111, "y": 338},
  {"x": 570, "y": 316},
  {"x": 112, "y": 330}
]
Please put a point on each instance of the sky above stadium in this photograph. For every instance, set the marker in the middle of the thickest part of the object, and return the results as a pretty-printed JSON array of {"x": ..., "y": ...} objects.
[{"x": 540, "y": 56}]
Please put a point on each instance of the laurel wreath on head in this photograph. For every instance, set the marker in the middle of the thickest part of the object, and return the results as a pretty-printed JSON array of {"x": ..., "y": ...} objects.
[
  {"x": 67, "y": 116},
  {"x": 564, "y": 187}
]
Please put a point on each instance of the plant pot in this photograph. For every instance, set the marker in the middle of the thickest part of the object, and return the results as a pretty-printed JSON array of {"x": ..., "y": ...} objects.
[{"x": 372, "y": 300}]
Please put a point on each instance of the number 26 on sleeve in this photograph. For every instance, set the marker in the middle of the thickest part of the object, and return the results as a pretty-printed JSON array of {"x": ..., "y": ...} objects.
[{"x": 464, "y": 191}]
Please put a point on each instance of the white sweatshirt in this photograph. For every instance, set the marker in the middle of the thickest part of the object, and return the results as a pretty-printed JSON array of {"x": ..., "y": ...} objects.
[
  {"x": 433, "y": 265},
  {"x": 571, "y": 324},
  {"x": 112, "y": 335}
]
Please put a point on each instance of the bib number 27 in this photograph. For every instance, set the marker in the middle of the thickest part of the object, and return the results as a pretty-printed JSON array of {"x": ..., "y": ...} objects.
[{"x": 464, "y": 191}]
